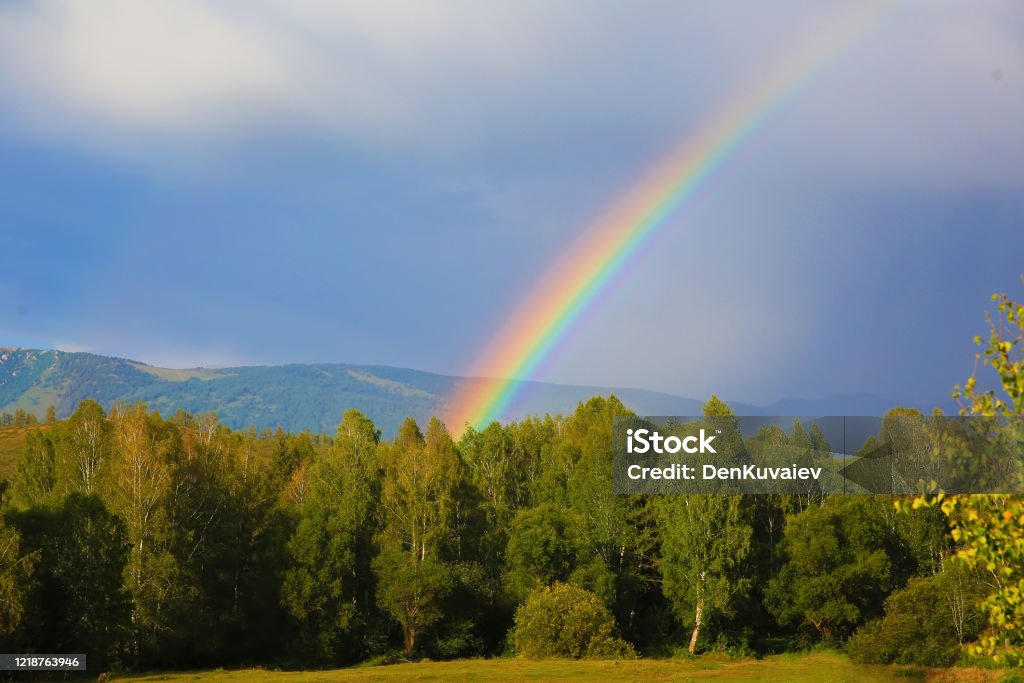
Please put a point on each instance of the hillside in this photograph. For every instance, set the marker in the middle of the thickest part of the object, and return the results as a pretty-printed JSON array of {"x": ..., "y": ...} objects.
[
  {"x": 12, "y": 441},
  {"x": 299, "y": 397}
]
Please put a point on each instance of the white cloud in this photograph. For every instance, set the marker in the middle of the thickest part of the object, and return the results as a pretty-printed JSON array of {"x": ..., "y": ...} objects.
[
  {"x": 185, "y": 66},
  {"x": 445, "y": 72},
  {"x": 151, "y": 65},
  {"x": 392, "y": 72}
]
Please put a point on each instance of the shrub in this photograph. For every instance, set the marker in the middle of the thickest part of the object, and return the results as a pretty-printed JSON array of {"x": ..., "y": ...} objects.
[
  {"x": 564, "y": 620},
  {"x": 925, "y": 623}
]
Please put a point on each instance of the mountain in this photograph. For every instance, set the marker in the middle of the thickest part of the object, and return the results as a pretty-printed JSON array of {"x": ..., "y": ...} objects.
[{"x": 298, "y": 397}]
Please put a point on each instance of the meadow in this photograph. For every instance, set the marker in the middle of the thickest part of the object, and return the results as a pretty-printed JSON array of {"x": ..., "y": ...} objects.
[
  {"x": 818, "y": 667},
  {"x": 12, "y": 440}
]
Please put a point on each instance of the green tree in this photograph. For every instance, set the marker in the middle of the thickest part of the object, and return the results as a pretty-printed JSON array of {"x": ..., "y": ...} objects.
[
  {"x": 419, "y": 500},
  {"x": 327, "y": 588},
  {"x": 78, "y": 602},
  {"x": 83, "y": 448},
  {"x": 600, "y": 525},
  {"x": 222, "y": 546},
  {"x": 838, "y": 570},
  {"x": 411, "y": 590},
  {"x": 418, "y": 492},
  {"x": 924, "y": 623},
  {"x": 990, "y": 529},
  {"x": 16, "y": 567},
  {"x": 705, "y": 542},
  {"x": 802, "y": 448},
  {"x": 503, "y": 464},
  {"x": 139, "y": 483},
  {"x": 540, "y": 551},
  {"x": 291, "y": 453}
]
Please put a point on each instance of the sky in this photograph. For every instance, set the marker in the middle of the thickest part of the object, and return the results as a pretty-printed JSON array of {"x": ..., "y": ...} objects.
[{"x": 218, "y": 183}]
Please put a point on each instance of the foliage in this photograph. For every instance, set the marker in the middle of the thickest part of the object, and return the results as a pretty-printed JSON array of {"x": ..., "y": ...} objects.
[
  {"x": 540, "y": 551},
  {"x": 838, "y": 570},
  {"x": 925, "y": 623},
  {"x": 1004, "y": 353},
  {"x": 990, "y": 529},
  {"x": 16, "y": 567},
  {"x": 77, "y": 601},
  {"x": 326, "y": 589},
  {"x": 411, "y": 590},
  {"x": 220, "y": 547},
  {"x": 37, "y": 471},
  {"x": 564, "y": 620},
  {"x": 705, "y": 542}
]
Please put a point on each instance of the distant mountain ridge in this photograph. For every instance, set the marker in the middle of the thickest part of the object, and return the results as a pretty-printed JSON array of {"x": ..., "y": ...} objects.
[{"x": 314, "y": 396}]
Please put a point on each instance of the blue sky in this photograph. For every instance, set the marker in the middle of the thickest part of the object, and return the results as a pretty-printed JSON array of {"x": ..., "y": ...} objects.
[{"x": 212, "y": 183}]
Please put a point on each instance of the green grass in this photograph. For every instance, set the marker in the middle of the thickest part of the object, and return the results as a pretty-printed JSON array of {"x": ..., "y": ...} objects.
[{"x": 811, "y": 668}]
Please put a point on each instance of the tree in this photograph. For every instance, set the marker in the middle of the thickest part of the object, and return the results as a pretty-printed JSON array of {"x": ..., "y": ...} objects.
[
  {"x": 84, "y": 448},
  {"x": 601, "y": 517},
  {"x": 705, "y": 541},
  {"x": 138, "y": 486},
  {"x": 291, "y": 453},
  {"x": 140, "y": 481},
  {"x": 990, "y": 528},
  {"x": 503, "y": 463},
  {"x": 837, "y": 571},
  {"x": 925, "y": 623},
  {"x": 51, "y": 415},
  {"x": 804, "y": 448},
  {"x": 327, "y": 589},
  {"x": 540, "y": 551},
  {"x": 16, "y": 568},
  {"x": 411, "y": 590},
  {"x": 421, "y": 478},
  {"x": 78, "y": 602}
]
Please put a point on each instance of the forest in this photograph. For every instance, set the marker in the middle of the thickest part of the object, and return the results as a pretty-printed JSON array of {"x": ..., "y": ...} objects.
[{"x": 153, "y": 542}]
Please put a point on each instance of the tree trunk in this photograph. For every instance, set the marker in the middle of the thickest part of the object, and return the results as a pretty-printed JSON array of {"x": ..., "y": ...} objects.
[
  {"x": 409, "y": 636},
  {"x": 697, "y": 623}
]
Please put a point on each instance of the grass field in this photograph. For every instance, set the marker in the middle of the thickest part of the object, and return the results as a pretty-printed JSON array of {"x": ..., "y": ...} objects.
[
  {"x": 11, "y": 441},
  {"x": 812, "y": 668}
]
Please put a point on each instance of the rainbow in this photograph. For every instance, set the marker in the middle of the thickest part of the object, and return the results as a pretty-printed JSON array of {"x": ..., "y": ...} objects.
[{"x": 558, "y": 301}]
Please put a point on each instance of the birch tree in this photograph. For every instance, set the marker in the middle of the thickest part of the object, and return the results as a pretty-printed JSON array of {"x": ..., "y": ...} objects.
[
  {"x": 705, "y": 543},
  {"x": 137, "y": 488},
  {"x": 84, "y": 448},
  {"x": 418, "y": 497},
  {"x": 706, "y": 540}
]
